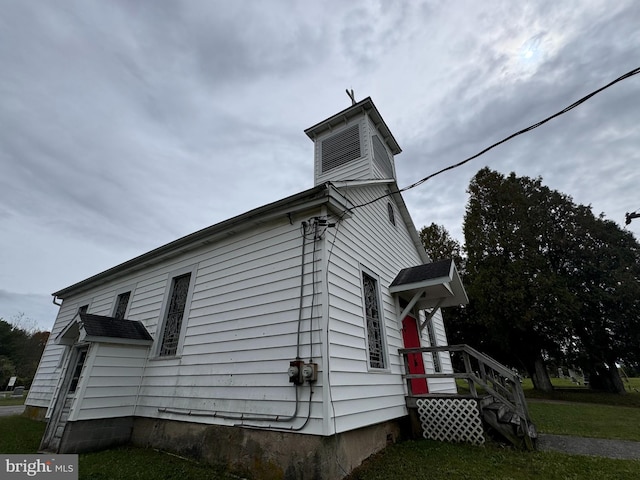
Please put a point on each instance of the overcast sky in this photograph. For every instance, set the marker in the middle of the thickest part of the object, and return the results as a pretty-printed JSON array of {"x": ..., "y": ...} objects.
[{"x": 125, "y": 125}]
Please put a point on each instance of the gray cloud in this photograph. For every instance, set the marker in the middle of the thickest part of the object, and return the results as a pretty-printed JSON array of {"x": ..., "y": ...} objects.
[
  {"x": 125, "y": 125},
  {"x": 36, "y": 309},
  {"x": 565, "y": 151}
]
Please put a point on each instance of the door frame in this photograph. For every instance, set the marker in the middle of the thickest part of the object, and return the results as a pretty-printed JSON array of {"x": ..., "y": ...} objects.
[{"x": 63, "y": 393}]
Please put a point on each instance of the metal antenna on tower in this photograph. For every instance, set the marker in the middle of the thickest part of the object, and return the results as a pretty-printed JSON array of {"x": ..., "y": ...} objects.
[{"x": 351, "y": 96}]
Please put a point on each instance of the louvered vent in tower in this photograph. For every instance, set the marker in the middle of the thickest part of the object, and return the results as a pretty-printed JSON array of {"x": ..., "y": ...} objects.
[
  {"x": 381, "y": 157},
  {"x": 341, "y": 148}
]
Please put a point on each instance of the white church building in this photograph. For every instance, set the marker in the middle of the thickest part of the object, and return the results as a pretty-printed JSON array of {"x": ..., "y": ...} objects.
[{"x": 269, "y": 340}]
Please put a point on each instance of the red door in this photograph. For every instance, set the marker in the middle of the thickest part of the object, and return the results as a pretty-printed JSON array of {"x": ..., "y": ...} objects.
[{"x": 416, "y": 364}]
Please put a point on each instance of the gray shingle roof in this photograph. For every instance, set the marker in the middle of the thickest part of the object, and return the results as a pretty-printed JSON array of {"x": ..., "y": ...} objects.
[
  {"x": 435, "y": 284},
  {"x": 424, "y": 272},
  {"x": 101, "y": 326}
]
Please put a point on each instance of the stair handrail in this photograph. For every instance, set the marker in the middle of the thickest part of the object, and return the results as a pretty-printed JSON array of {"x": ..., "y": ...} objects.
[
  {"x": 505, "y": 372},
  {"x": 489, "y": 381}
]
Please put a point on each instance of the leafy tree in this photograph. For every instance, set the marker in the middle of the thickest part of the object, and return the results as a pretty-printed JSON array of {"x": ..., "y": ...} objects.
[
  {"x": 7, "y": 370},
  {"x": 7, "y": 348},
  {"x": 513, "y": 228},
  {"x": 20, "y": 350},
  {"x": 604, "y": 268},
  {"x": 546, "y": 279},
  {"x": 440, "y": 245}
]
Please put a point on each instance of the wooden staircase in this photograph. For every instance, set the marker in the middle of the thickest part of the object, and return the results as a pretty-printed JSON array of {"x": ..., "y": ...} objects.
[
  {"x": 500, "y": 420},
  {"x": 496, "y": 388}
]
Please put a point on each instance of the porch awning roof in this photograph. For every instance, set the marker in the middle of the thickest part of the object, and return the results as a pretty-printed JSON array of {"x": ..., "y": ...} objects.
[
  {"x": 88, "y": 327},
  {"x": 431, "y": 285}
]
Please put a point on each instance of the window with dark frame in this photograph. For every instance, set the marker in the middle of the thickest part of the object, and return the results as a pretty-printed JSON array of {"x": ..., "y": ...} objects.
[
  {"x": 374, "y": 322},
  {"x": 121, "y": 305},
  {"x": 77, "y": 370},
  {"x": 392, "y": 216},
  {"x": 437, "y": 366},
  {"x": 174, "y": 315}
]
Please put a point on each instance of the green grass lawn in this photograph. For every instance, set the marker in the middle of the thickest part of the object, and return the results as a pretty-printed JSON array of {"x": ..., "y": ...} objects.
[
  {"x": 145, "y": 464},
  {"x": 565, "y": 390},
  {"x": 411, "y": 459},
  {"x": 586, "y": 420},
  {"x": 442, "y": 461},
  {"x": 632, "y": 385},
  {"x": 589, "y": 414},
  {"x": 7, "y": 399},
  {"x": 20, "y": 435},
  {"x": 575, "y": 410}
]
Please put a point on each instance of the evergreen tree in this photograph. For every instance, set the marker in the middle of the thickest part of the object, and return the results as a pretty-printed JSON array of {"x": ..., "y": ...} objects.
[
  {"x": 548, "y": 279},
  {"x": 513, "y": 239},
  {"x": 604, "y": 273},
  {"x": 440, "y": 245}
]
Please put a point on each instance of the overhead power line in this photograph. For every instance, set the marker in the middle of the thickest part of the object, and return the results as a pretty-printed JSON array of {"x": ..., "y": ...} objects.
[{"x": 633, "y": 72}]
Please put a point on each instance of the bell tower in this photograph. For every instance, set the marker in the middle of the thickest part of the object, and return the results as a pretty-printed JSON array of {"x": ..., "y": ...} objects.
[{"x": 354, "y": 144}]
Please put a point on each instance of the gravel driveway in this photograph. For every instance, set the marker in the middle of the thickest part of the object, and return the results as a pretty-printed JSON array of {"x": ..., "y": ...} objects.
[{"x": 598, "y": 447}]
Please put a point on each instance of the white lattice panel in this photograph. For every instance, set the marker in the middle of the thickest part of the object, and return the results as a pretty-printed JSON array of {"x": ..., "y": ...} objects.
[{"x": 451, "y": 420}]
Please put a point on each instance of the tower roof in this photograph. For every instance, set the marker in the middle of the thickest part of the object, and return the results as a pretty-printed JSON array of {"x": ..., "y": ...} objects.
[{"x": 363, "y": 106}]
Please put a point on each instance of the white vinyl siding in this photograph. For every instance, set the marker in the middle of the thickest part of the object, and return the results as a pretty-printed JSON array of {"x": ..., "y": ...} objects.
[
  {"x": 362, "y": 396},
  {"x": 241, "y": 328},
  {"x": 240, "y": 335},
  {"x": 242, "y": 331},
  {"x": 111, "y": 381},
  {"x": 439, "y": 385}
]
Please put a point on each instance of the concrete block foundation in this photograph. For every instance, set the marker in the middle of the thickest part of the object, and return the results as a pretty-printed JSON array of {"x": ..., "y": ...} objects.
[
  {"x": 259, "y": 454},
  {"x": 268, "y": 454},
  {"x": 35, "y": 413},
  {"x": 92, "y": 435}
]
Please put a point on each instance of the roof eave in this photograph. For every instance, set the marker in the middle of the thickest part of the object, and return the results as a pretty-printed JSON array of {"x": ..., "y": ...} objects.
[
  {"x": 117, "y": 340},
  {"x": 413, "y": 232}
]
